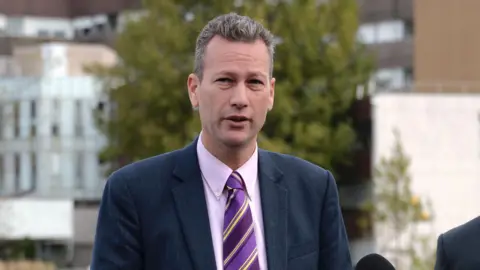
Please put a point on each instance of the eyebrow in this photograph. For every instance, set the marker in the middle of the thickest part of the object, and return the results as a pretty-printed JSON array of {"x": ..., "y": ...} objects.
[{"x": 250, "y": 74}]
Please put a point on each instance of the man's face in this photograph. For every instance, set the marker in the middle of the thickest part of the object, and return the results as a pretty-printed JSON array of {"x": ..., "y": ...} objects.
[{"x": 236, "y": 91}]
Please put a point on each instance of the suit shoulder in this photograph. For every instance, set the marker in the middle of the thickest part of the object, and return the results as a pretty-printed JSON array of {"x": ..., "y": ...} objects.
[
  {"x": 145, "y": 167},
  {"x": 463, "y": 232},
  {"x": 296, "y": 164}
]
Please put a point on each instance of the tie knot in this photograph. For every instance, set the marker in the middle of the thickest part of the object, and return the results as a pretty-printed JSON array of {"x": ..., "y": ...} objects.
[{"x": 235, "y": 181}]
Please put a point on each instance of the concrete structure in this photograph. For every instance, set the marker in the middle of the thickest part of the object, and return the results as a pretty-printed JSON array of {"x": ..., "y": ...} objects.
[
  {"x": 48, "y": 222},
  {"x": 78, "y": 28},
  {"x": 85, "y": 223},
  {"x": 441, "y": 135},
  {"x": 48, "y": 122},
  {"x": 413, "y": 54},
  {"x": 27, "y": 218},
  {"x": 49, "y": 146},
  {"x": 387, "y": 27}
]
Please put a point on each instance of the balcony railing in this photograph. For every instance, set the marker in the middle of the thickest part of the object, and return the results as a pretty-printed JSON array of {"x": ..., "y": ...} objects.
[{"x": 84, "y": 194}]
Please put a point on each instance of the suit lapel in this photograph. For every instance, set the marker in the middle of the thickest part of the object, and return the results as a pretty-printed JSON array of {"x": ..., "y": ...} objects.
[
  {"x": 192, "y": 208},
  {"x": 274, "y": 198}
]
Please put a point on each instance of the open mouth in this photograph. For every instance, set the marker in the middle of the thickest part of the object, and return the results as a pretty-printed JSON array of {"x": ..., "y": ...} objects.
[{"x": 237, "y": 119}]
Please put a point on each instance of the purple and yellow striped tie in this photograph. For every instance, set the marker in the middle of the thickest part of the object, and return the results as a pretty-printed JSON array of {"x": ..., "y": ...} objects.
[{"x": 239, "y": 244}]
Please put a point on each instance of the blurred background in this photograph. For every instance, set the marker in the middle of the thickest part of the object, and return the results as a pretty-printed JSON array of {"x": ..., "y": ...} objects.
[{"x": 385, "y": 93}]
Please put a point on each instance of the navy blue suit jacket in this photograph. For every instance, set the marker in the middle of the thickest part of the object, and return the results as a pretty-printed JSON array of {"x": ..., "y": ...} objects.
[
  {"x": 459, "y": 248},
  {"x": 153, "y": 216}
]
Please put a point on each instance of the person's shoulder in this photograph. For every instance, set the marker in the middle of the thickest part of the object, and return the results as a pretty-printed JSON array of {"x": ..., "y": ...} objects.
[
  {"x": 463, "y": 232},
  {"x": 300, "y": 166},
  {"x": 143, "y": 169}
]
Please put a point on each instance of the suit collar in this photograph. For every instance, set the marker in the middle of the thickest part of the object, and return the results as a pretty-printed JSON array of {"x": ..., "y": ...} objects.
[
  {"x": 192, "y": 209},
  {"x": 275, "y": 211},
  {"x": 267, "y": 167}
]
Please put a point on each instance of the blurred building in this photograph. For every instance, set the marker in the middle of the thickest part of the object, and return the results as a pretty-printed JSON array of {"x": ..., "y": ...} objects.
[
  {"x": 44, "y": 228},
  {"x": 447, "y": 45},
  {"x": 42, "y": 119},
  {"x": 387, "y": 28},
  {"x": 35, "y": 21},
  {"x": 355, "y": 183},
  {"x": 417, "y": 49},
  {"x": 49, "y": 142},
  {"x": 440, "y": 133},
  {"x": 49, "y": 145}
]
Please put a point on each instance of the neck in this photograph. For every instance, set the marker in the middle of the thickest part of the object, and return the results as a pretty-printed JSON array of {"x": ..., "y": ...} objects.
[{"x": 233, "y": 157}]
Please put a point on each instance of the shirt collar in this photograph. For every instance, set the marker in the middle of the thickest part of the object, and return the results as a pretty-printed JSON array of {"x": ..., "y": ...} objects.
[{"x": 216, "y": 173}]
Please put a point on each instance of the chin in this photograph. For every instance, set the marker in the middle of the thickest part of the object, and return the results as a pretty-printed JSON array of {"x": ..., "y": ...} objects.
[{"x": 236, "y": 141}]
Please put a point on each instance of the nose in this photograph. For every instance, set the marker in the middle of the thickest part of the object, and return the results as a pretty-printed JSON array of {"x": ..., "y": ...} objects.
[{"x": 239, "y": 97}]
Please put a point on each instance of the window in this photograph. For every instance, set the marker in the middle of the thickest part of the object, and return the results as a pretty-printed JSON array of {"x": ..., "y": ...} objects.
[
  {"x": 16, "y": 119},
  {"x": 59, "y": 34},
  {"x": 408, "y": 74},
  {"x": 2, "y": 118},
  {"x": 2, "y": 176},
  {"x": 55, "y": 118},
  {"x": 33, "y": 131},
  {"x": 55, "y": 164},
  {"x": 33, "y": 116},
  {"x": 409, "y": 28},
  {"x": 17, "y": 179},
  {"x": 33, "y": 163},
  {"x": 366, "y": 33},
  {"x": 393, "y": 78},
  {"x": 78, "y": 121},
  {"x": 390, "y": 31},
  {"x": 55, "y": 130},
  {"x": 33, "y": 109},
  {"x": 79, "y": 169},
  {"x": 385, "y": 31},
  {"x": 43, "y": 33}
]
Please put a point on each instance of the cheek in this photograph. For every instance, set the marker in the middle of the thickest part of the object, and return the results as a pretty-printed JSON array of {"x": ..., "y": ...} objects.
[
  {"x": 208, "y": 110},
  {"x": 261, "y": 105}
]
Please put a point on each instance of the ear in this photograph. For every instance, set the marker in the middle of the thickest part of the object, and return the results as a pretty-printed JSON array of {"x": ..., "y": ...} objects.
[
  {"x": 193, "y": 83},
  {"x": 272, "y": 94}
]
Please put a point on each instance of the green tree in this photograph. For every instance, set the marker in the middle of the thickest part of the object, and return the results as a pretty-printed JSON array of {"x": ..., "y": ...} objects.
[
  {"x": 400, "y": 213},
  {"x": 318, "y": 67}
]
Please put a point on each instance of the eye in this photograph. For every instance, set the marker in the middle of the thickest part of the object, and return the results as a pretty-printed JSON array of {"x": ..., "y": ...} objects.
[
  {"x": 224, "y": 80},
  {"x": 255, "y": 81}
]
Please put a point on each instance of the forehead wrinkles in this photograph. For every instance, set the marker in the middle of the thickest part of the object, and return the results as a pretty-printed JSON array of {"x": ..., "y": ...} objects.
[
  {"x": 220, "y": 46},
  {"x": 231, "y": 61}
]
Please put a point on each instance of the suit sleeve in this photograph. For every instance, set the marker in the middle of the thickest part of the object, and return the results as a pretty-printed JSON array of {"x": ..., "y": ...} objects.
[
  {"x": 441, "y": 262},
  {"x": 117, "y": 240},
  {"x": 334, "y": 249}
]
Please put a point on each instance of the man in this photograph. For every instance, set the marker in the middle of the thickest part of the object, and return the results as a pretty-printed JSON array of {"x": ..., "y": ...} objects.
[
  {"x": 222, "y": 203},
  {"x": 459, "y": 248}
]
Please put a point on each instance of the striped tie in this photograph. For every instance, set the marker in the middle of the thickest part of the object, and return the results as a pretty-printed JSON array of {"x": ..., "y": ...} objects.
[{"x": 239, "y": 245}]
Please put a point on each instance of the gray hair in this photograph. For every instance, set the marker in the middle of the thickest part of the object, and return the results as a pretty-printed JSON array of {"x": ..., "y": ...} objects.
[{"x": 232, "y": 27}]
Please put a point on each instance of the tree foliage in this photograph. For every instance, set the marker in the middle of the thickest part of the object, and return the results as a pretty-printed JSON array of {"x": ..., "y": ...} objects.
[
  {"x": 318, "y": 66},
  {"x": 397, "y": 209}
]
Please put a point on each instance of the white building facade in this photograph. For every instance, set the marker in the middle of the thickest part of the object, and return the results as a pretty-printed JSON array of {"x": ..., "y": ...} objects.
[
  {"x": 440, "y": 133},
  {"x": 49, "y": 143}
]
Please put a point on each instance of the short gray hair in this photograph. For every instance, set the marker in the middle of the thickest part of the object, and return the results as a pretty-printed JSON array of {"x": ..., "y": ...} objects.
[{"x": 232, "y": 27}]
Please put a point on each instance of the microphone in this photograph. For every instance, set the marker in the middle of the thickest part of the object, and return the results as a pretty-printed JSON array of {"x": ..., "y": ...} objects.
[{"x": 374, "y": 262}]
